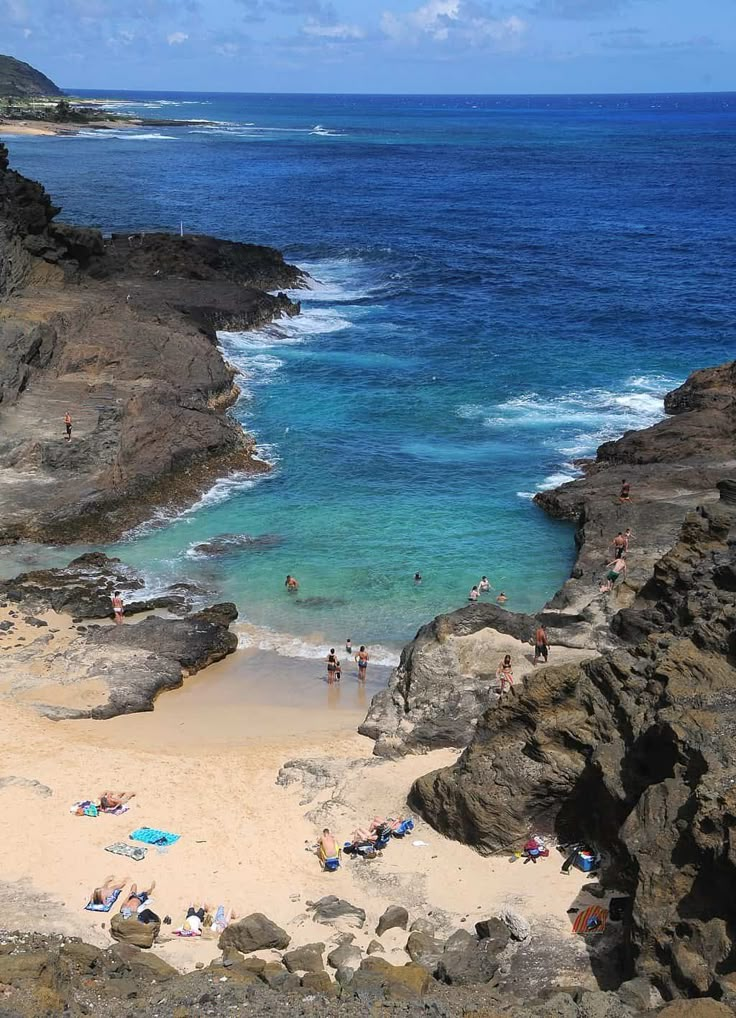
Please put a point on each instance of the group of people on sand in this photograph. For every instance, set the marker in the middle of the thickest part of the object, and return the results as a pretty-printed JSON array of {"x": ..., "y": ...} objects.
[
  {"x": 363, "y": 842},
  {"x": 484, "y": 586},
  {"x": 135, "y": 905},
  {"x": 334, "y": 667}
]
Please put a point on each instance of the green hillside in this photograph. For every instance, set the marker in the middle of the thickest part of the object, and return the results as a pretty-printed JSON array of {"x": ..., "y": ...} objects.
[{"x": 20, "y": 80}]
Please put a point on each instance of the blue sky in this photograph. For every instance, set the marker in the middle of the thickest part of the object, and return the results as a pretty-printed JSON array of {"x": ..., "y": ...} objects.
[{"x": 377, "y": 45}]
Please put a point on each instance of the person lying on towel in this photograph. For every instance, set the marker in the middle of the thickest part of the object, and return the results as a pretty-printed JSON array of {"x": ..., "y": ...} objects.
[{"x": 108, "y": 892}]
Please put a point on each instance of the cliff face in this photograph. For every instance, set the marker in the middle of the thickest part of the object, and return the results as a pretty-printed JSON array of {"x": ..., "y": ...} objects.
[
  {"x": 121, "y": 333},
  {"x": 634, "y": 752},
  {"x": 20, "y": 80}
]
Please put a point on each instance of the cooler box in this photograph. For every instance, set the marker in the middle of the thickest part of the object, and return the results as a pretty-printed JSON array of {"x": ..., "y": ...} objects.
[{"x": 587, "y": 861}]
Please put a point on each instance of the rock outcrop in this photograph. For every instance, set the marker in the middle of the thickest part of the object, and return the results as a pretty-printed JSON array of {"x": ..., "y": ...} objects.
[
  {"x": 120, "y": 332},
  {"x": 632, "y": 752}
]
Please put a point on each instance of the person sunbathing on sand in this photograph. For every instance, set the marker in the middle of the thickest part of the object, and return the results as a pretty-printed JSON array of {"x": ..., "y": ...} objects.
[
  {"x": 112, "y": 800},
  {"x": 192, "y": 925},
  {"x": 135, "y": 900},
  {"x": 224, "y": 915},
  {"x": 104, "y": 895}
]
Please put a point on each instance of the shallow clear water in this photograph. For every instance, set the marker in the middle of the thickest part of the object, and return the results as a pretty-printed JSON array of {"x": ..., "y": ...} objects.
[{"x": 503, "y": 284}]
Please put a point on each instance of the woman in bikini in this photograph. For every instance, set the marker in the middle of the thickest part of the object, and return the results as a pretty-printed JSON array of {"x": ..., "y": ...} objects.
[
  {"x": 505, "y": 674},
  {"x": 332, "y": 666},
  {"x": 105, "y": 894},
  {"x": 362, "y": 657}
]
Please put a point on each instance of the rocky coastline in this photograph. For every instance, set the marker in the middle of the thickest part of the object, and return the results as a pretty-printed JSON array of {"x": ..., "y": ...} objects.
[
  {"x": 631, "y": 750},
  {"x": 120, "y": 332}
]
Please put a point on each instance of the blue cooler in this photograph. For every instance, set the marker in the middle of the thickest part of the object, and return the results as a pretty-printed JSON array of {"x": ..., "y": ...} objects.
[{"x": 587, "y": 861}]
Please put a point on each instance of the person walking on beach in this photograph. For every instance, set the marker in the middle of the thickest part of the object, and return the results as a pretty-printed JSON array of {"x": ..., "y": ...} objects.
[
  {"x": 619, "y": 545},
  {"x": 485, "y": 585},
  {"x": 331, "y": 666},
  {"x": 473, "y": 595},
  {"x": 117, "y": 607},
  {"x": 291, "y": 584},
  {"x": 505, "y": 675},
  {"x": 349, "y": 647},
  {"x": 541, "y": 645},
  {"x": 362, "y": 657},
  {"x": 68, "y": 425},
  {"x": 615, "y": 569},
  {"x": 625, "y": 495}
]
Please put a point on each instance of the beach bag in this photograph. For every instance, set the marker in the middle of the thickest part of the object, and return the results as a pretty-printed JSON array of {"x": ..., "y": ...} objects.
[{"x": 330, "y": 865}]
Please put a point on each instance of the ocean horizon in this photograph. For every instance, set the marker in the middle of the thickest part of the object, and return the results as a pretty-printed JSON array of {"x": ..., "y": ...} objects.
[{"x": 498, "y": 287}]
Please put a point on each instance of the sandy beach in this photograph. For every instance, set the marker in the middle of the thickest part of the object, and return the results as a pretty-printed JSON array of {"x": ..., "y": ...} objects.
[
  {"x": 44, "y": 128},
  {"x": 204, "y": 764}
]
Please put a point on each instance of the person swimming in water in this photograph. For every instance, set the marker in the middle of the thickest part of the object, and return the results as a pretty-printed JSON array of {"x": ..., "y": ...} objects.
[
  {"x": 473, "y": 595},
  {"x": 362, "y": 657},
  {"x": 485, "y": 585},
  {"x": 501, "y": 598},
  {"x": 291, "y": 584},
  {"x": 417, "y": 578}
]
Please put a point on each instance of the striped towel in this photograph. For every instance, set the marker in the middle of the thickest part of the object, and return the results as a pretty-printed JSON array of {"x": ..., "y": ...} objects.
[{"x": 591, "y": 920}]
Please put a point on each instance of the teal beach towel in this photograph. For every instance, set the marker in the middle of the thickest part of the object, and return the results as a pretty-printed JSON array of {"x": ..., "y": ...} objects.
[{"x": 152, "y": 836}]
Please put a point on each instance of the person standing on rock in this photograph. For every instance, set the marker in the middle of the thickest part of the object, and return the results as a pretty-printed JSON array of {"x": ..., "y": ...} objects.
[
  {"x": 68, "y": 425},
  {"x": 541, "y": 645},
  {"x": 505, "y": 675},
  {"x": 625, "y": 495},
  {"x": 615, "y": 569},
  {"x": 117, "y": 607},
  {"x": 627, "y": 537},
  {"x": 619, "y": 545}
]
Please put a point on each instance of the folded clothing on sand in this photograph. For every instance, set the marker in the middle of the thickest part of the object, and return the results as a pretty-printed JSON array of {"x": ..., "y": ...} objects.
[
  {"x": 105, "y": 905},
  {"x": 591, "y": 920},
  {"x": 152, "y": 836}
]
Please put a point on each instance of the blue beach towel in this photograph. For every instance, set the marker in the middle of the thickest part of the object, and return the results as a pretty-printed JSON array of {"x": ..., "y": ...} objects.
[
  {"x": 404, "y": 828},
  {"x": 105, "y": 906},
  {"x": 152, "y": 836}
]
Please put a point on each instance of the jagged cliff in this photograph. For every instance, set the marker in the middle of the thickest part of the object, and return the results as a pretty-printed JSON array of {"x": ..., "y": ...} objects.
[{"x": 121, "y": 333}]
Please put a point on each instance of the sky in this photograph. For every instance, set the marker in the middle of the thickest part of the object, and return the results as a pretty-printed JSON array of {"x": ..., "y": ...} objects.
[{"x": 390, "y": 46}]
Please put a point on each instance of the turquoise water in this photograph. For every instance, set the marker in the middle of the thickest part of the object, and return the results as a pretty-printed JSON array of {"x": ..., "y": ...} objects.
[{"x": 500, "y": 285}]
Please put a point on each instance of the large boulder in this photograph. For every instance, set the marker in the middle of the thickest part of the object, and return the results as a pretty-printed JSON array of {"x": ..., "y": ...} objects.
[
  {"x": 253, "y": 933},
  {"x": 140, "y": 963},
  {"x": 425, "y": 950},
  {"x": 495, "y": 932},
  {"x": 346, "y": 955},
  {"x": 467, "y": 961},
  {"x": 133, "y": 932},
  {"x": 305, "y": 959},
  {"x": 335, "y": 911},
  {"x": 377, "y": 977},
  {"x": 395, "y": 917}
]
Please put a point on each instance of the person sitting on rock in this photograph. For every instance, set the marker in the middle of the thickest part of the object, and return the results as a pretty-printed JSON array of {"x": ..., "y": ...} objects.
[
  {"x": 105, "y": 894},
  {"x": 110, "y": 801}
]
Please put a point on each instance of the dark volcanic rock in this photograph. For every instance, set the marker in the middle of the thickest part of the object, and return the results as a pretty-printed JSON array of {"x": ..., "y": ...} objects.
[
  {"x": 226, "y": 544},
  {"x": 305, "y": 959},
  {"x": 123, "y": 335},
  {"x": 334, "y": 910},
  {"x": 253, "y": 933},
  {"x": 633, "y": 753},
  {"x": 395, "y": 916}
]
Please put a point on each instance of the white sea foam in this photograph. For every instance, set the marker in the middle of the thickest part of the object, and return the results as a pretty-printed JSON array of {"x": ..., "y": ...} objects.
[
  {"x": 126, "y": 135},
  {"x": 287, "y": 645},
  {"x": 284, "y": 332}
]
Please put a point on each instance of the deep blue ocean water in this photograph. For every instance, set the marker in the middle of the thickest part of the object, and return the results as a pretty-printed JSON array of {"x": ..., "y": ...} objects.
[{"x": 504, "y": 282}]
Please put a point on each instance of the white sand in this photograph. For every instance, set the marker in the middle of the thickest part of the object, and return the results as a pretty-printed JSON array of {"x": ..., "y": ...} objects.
[{"x": 205, "y": 767}]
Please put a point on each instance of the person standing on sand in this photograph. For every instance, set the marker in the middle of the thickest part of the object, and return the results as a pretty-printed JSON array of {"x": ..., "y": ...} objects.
[
  {"x": 328, "y": 849},
  {"x": 117, "y": 607},
  {"x": 625, "y": 495},
  {"x": 541, "y": 645},
  {"x": 362, "y": 657},
  {"x": 331, "y": 666},
  {"x": 619, "y": 545},
  {"x": 473, "y": 595},
  {"x": 291, "y": 584},
  {"x": 68, "y": 425}
]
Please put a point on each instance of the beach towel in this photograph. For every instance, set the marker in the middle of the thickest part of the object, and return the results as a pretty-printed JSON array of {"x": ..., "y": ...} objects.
[
  {"x": 403, "y": 828},
  {"x": 116, "y": 811},
  {"x": 129, "y": 851},
  {"x": 591, "y": 920},
  {"x": 105, "y": 906},
  {"x": 85, "y": 808},
  {"x": 187, "y": 933},
  {"x": 152, "y": 836}
]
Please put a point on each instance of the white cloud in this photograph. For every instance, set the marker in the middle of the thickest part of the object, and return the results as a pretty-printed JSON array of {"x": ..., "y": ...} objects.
[
  {"x": 176, "y": 38},
  {"x": 332, "y": 31},
  {"x": 447, "y": 20}
]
